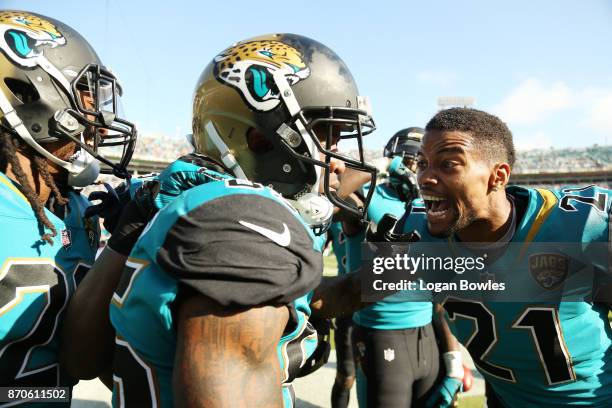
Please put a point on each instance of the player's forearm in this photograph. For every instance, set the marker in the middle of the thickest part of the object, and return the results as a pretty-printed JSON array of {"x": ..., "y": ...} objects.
[
  {"x": 337, "y": 296},
  {"x": 352, "y": 180},
  {"x": 446, "y": 339},
  {"x": 87, "y": 338}
]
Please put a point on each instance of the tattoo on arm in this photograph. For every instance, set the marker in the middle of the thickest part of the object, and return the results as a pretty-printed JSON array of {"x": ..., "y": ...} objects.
[{"x": 228, "y": 358}]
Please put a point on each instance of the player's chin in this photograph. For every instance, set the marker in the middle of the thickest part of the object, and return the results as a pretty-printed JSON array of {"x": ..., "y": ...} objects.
[{"x": 440, "y": 223}]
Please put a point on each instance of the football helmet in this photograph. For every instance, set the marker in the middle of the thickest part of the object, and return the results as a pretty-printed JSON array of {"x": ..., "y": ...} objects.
[
  {"x": 53, "y": 87},
  {"x": 272, "y": 108},
  {"x": 403, "y": 148},
  {"x": 405, "y": 143}
]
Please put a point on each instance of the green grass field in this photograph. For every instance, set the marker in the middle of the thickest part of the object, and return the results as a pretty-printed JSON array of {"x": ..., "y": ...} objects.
[
  {"x": 330, "y": 266},
  {"x": 471, "y": 402}
]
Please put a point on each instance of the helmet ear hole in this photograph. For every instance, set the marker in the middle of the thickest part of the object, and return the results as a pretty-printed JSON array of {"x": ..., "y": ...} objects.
[
  {"x": 258, "y": 142},
  {"x": 23, "y": 91}
]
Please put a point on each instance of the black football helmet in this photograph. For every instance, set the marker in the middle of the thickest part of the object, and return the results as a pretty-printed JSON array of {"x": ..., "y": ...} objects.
[
  {"x": 406, "y": 142},
  {"x": 271, "y": 108},
  {"x": 53, "y": 87}
]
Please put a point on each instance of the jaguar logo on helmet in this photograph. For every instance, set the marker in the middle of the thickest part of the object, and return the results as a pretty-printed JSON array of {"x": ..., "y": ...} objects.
[
  {"x": 23, "y": 36},
  {"x": 249, "y": 68}
]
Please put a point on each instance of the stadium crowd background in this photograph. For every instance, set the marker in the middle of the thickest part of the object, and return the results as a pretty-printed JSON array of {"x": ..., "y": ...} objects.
[
  {"x": 164, "y": 149},
  {"x": 168, "y": 148}
]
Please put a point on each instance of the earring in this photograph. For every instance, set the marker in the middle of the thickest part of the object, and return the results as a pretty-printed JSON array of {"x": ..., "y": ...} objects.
[{"x": 495, "y": 188}]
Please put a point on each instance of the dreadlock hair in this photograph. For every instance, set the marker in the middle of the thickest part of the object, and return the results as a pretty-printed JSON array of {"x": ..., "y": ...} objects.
[
  {"x": 493, "y": 136},
  {"x": 8, "y": 155}
]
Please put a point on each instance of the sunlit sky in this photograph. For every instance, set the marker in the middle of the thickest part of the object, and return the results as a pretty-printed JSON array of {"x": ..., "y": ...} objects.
[{"x": 545, "y": 67}]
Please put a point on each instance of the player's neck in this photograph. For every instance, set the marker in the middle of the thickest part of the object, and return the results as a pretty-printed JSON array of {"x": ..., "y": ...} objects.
[
  {"x": 494, "y": 225},
  {"x": 36, "y": 183}
]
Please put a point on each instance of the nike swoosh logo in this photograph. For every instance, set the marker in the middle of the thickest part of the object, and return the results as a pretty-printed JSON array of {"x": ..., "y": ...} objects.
[{"x": 283, "y": 239}]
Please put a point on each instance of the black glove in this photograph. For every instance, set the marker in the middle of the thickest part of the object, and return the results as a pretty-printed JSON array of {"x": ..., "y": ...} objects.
[
  {"x": 112, "y": 202},
  {"x": 384, "y": 231},
  {"x": 135, "y": 216}
]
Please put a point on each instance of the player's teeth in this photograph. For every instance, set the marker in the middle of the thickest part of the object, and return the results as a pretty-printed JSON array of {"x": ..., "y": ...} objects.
[
  {"x": 436, "y": 213},
  {"x": 432, "y": 198}
]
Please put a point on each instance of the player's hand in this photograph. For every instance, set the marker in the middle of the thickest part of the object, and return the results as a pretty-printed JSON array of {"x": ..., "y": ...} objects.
[
  {"x": 446, "y": 392},
  {"x": 135, "y": 216},
  {"x": 468, "y": 378},
  {"x": 178, "y": 177},
  {"x": 112, "y": 202},
  {"x": 444, "y": 395}
]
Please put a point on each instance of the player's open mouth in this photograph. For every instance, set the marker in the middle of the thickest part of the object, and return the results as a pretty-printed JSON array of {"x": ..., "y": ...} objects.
[{"x": 437, "y": 207}]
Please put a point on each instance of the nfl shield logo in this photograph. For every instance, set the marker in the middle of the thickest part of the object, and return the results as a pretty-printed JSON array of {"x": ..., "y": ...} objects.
[
  {"x": 66, "y": 242},
  {"x": 389, "y": 354}
]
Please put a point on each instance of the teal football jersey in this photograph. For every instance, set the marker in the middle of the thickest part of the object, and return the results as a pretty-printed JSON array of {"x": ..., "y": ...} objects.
[
  {"x": 248, "y": 238},
  {"x": 541, "y": 354},
  {"x": 36, "y": 282},
  {"x": 392, "y": 313}
]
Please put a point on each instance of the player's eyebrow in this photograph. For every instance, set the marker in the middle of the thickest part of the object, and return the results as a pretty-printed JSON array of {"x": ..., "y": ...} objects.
[{"x": 451, "y": 149}]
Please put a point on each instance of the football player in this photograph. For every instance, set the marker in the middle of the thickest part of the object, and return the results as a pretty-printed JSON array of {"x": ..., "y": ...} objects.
[
  {"x": 395, "y": 339},
  {"x": 212, "y": 307},
  {"x": 531, "y": 354},
  {"x": 58, "y": 117}
]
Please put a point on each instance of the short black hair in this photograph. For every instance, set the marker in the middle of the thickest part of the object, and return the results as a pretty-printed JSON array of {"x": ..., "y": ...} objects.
[{"x": 493, "y": 134}]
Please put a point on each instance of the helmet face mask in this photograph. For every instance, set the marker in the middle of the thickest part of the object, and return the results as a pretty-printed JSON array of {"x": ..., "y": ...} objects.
[
  {"x": 71, "y": 97},
  {"x": 98, "y": 108},
  {"x": 296, "y": 94},
  {"x": 326, "y": 127}
]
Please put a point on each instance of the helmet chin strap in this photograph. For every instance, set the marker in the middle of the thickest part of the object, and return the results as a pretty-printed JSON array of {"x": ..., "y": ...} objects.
[
  {"x": 293, "y": 107},
  {"x": 90, "y": 169},
  {"x": 75, "y": 169},
  {"x": 315, "y": 209},
  {"x": 227, "y": 157}
]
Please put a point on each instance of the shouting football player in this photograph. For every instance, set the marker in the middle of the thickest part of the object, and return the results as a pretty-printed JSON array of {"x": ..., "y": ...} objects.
[
  {"x": 58, "y": 113},
  {"x": 545, "y": 354}
]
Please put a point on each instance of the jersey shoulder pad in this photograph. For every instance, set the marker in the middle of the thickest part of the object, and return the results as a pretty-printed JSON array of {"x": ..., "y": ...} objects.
[
  {"x": 591, "y": 197},
  {"x": 239, "y": 244},
  {"x": 137, "y": 182}
]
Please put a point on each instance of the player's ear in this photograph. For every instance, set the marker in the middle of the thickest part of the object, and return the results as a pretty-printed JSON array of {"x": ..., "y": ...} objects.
[{"x": 500, "y": 176}]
